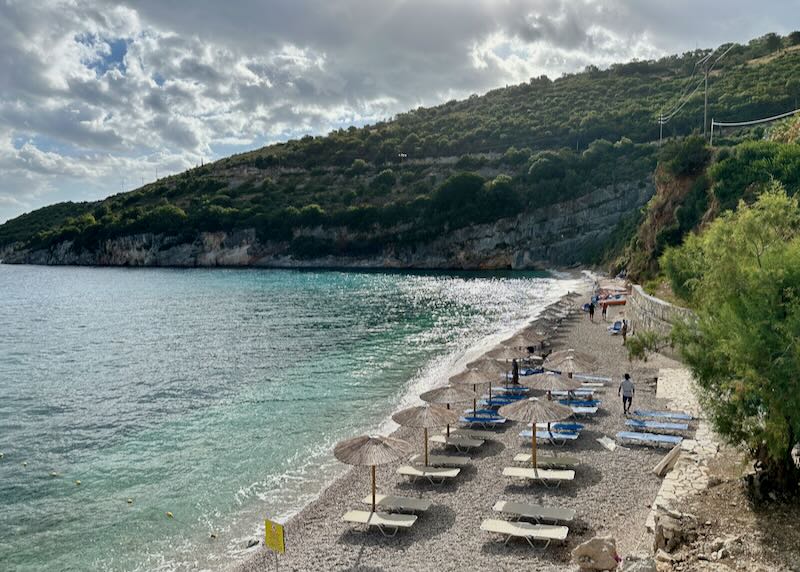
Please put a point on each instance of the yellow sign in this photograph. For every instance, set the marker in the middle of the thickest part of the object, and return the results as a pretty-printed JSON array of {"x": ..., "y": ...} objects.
[{"x": 274, "y": 536}]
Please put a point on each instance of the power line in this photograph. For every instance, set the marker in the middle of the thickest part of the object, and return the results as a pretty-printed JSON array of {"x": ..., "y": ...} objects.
[{"x": 746, "y": 123}]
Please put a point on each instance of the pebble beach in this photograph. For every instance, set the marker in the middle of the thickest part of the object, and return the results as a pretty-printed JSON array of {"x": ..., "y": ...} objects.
[{"x": 611, "y": 494}]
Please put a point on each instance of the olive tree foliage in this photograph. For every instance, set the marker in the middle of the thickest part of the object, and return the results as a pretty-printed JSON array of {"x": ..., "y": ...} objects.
[{"x": 742, "y": 278}]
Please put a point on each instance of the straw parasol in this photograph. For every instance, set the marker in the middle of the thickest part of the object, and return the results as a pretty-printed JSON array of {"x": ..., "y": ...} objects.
[
  {"x": 490, "y": 368},
  {"x": 549, "y": 381},
  {"x": 473, "y": 378},
  {"x": 583, "y": 356},
  {"x": 506, "y": 353},
  {"x": 570, "y": 364},
  {"x": 524, "y": 340},
  {"x": 371, "y": 450},
  {"x": 448, "y": 394},
  {"x": 425, "y": 417},
  {"x": 535, "y": 411}
]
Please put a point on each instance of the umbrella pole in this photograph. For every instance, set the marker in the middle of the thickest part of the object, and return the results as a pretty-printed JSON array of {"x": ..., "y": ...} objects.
[
  {"x": 426, "y": 446},
  {"x": 533, "y": 443},
  {"x": 373, "y": 488},
  {"x": 448, "y": 425}
]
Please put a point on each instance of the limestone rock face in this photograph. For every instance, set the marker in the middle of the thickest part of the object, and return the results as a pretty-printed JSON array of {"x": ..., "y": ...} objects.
[
  {"x": 555, "y": 234},
  {"x": 673, "y": 530},
  {"x": 599, "y": 553}
]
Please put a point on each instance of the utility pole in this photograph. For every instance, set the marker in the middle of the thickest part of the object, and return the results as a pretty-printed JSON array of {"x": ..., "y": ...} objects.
[
  {"x": 705, "y": 103},
  {"x": 660, "y": 129}
]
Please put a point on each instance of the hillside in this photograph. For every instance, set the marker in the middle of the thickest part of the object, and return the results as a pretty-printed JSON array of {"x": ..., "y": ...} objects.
[{"x": 478, "y": 167}]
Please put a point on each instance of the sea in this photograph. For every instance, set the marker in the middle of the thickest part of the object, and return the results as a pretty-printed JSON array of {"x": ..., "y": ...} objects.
[{"x": 151, "y": 419}]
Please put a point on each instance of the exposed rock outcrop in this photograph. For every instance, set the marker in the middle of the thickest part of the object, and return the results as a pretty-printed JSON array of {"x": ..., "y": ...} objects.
[{"x": 558, "y": 234}]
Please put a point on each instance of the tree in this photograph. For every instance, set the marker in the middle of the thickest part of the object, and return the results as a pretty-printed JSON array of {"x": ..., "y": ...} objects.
[
  {"x": 744, "y": 348},
  {"x": 773, "y": 42},
  {"x": 794, "y": 38}
]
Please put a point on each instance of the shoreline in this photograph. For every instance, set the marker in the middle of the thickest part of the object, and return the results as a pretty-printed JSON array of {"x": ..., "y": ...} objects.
[
  {"x": 318, "y": 540},
  {"x": 409, "y": 396}
]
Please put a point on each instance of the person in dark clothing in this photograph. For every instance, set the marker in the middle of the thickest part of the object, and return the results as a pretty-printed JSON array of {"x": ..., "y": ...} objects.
[
  {"x": 514, "y": 371},
  {"x": 591, "y": 311},
  {"x": 624, "y": 331},
  {"x": 604, "y": 311},
  {"x": 627, "y": 390}
]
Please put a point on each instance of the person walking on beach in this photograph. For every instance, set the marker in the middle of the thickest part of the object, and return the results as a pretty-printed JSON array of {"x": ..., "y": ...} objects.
[
  {"x": 514, "y": 371},
  {"x": 624, "y": 331},
  {"x": 604, "y": 311},
  {"x": 627, "y": 390},
  {"x": 591, "y": 311}
]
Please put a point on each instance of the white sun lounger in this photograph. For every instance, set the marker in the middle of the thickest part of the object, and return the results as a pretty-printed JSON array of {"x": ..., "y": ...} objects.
[
  {"x": 547, "y": 461},
  {"x": 583, "y": 392},
  {"x": 671, "y": 415},
  {"x": 388, "y": 524},
  {"x": 534, "y": 512},
  {"x": 460, "y": 443},
  {"x": 544, "y": 476},
  {"x": 440, "y": 460},
  {"x": 578, "y": 411},
  {"x": 586, "y": 377},
  {"x": 595, "y": 385},
  {"x": 652, "y": 439},
  {"x": 398, "y": 504},
  {"x": 657, "y": 425},
  {"x": 434, "y": 475},
  {"x": 530, "y": 532}
]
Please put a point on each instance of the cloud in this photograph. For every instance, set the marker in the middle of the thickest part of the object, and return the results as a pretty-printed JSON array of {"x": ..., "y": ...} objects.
[{"x": 100, "y": 91}]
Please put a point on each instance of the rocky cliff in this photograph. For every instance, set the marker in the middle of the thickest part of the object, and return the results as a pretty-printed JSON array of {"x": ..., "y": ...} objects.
[{"x": 559, "y": 234}]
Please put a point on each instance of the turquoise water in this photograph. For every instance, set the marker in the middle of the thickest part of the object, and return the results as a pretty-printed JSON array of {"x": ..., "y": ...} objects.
[{"x": 215, "y": 395}]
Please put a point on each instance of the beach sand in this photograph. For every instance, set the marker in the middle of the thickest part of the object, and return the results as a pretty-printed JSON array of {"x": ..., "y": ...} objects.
[{"x": 612, "y": 491}]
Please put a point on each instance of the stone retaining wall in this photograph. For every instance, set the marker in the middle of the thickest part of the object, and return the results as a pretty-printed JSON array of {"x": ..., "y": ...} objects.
[{"x": 647, "y": 312}]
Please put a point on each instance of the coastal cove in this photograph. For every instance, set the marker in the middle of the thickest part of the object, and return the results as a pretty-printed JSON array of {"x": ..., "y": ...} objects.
[{"x": 215, "y": 395}]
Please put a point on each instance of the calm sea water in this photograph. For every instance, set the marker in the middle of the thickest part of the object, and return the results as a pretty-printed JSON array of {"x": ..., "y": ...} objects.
[{"x": 216, "y": 395}]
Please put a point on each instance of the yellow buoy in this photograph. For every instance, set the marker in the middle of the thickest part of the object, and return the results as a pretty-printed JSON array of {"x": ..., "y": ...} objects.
[
  {"x": 78, "y": 483},
  {"x": 169, "y": 515}
]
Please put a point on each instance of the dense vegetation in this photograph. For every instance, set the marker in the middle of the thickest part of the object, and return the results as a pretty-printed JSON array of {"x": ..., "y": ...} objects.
[
  {"x": 464, "y": 162},
  {"x": 742, "y": 278}
]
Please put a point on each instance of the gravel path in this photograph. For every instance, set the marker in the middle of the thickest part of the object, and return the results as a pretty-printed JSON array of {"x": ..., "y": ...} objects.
[{"x": 611, "y": 493}]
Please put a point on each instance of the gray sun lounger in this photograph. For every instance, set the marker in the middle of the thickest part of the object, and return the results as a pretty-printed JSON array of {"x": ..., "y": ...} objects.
[
  {"x": 652, "y": 439},
  {"x": 468, "y": 433},
  {"x": 675, "y": 415},
  {"x": 548, "y": 461},
  {"x": 657, "y": 425},
  {"x": 519, "y": 510},
  {"x": 530, "y": 532},
  {"x": 587, "y": 377},
  {"x": 544, "y": 476},
  {"x": 460, "y": 443},
  {"x": 398, "y": 504},
  {"x": 440, "y": 460},
  {"x": 388, "y": 524},
  {"x": 583, "y": 392},
  {"x": 434, "y": 475}
]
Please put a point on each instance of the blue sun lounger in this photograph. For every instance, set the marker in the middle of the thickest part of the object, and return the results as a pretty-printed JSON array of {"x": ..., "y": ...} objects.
[
  {"x": 576, "y": 392},
  {"x": 483, "y": 421},
  {"x": 586, "y": 377},
  {"x": 553, "y": 437},
  {"x": 561, "y": 426},
  {"x": 580, "y": 402},
  {"x": 652, "y": 439},
  {"x": 481, "y": 413},
  {"x": 505, "y": 389},
  {"x": 664, "y": 426},
  {"x": 676, "y": 415}
]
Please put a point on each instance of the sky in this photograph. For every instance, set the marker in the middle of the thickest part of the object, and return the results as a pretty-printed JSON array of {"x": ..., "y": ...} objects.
[{"x": 99, "y": 97}]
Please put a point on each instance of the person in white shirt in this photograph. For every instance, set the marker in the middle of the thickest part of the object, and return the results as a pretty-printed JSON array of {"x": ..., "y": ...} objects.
[{"x": 627, "y": 390}]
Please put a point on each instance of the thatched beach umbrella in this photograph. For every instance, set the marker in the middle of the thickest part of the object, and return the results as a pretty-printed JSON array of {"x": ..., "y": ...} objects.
[
  {"x": 549, "y": 381},
  {"x": 570, "y": 365},
  {"x": 491, "y": 368},
  {"x": 506, "y": 353},
  {"x": 473, "y": 378},
  {"x": 524, "y": 339},
  {"x": 535, "y": 411},
  {"x": 425, "y": 417},
  {"x": 371, "y": 450},
  {"x": 448, "y": 394},
  {"x": 563, "y": 354}
]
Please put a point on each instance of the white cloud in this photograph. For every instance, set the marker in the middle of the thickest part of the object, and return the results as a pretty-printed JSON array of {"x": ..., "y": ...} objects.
[{"x": 199, "y": 76}]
